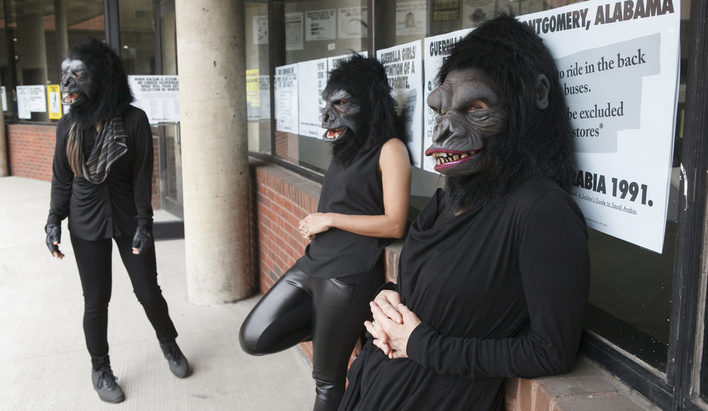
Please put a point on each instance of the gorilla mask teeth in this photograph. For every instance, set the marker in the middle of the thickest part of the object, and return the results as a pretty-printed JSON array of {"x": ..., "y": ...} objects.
[
  {"x": 70, "y": 98},
  {"x": 335, "y": 133},
  {"x": 444, "y": 158}
]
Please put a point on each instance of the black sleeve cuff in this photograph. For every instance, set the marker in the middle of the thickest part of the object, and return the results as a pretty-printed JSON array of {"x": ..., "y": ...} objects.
[
  {"x": 388, "y": 286},
  {"x": 418, "y": 343}
]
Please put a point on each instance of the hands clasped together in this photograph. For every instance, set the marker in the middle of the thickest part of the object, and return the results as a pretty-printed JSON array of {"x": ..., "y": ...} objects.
[
  {"x": 393, "y": 324},
  {"x": 314, "y": 224}
]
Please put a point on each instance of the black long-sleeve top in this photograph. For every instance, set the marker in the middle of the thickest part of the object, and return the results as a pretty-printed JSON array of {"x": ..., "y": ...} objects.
[
  {"x": 501, "y": 292},
  {"x": 118, "y": 205}
]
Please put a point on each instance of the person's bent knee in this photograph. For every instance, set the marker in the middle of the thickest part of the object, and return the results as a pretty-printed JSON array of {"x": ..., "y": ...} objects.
[{"x": 248, "y": 337}]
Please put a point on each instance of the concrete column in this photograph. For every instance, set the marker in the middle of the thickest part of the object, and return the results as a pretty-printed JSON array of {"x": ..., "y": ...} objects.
[
  {"x": 62, "y": 29},
  {"x": 210, "y": 50}
]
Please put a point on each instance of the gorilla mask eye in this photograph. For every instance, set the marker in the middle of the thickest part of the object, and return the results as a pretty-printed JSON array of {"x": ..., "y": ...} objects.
[{"x": 476, "y": 105}]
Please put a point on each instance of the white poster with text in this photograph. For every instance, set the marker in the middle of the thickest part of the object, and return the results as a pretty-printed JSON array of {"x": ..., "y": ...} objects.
[
  {"x": 286, "y": 101},
  {"x": 320, "y": 25},
  {"x": 157, "y": 96},
  {"x": 293, "y": 32},
  {"x": 23, "y": 103},
  {"x": 312, "y": 80},
  {"x": 618, "y": 68},
  {"x": 404, "y": 68},
  {"x": 352, "y": 22}
]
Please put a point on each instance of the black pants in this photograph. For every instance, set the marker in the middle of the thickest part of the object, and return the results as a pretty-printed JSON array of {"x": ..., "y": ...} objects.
[
  {"x": 94, "y": 261},
  {"x": 330, "y": 311}
]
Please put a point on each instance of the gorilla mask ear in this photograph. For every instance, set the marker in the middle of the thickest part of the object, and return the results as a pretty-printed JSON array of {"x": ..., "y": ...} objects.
[{"x": 542, "y": 89}]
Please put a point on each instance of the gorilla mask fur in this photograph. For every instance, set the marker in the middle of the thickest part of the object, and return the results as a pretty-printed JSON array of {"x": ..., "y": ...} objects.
[
  {"x": 500, "y": 116},
  {"x": 359, "y": 112},
  {"x": 94, "y": 83}
]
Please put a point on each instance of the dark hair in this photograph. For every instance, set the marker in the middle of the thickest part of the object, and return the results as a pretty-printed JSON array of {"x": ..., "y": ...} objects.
[
  {"x": 109, "y": 95},
  {"x": 535, "y": 143},
  {"x": 513, "y": 56},
  {"x": 365, "y": 79}
]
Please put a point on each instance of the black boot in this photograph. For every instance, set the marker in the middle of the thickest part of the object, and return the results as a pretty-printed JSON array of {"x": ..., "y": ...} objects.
[
  {"x": 177, "y": 361},
  {"x": 104, "y": 382}
]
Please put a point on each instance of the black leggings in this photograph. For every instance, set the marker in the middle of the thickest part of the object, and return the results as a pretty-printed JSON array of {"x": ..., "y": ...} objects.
[
  {"x": 94, "y": 261},
  {"x": 329, "y": 311}
]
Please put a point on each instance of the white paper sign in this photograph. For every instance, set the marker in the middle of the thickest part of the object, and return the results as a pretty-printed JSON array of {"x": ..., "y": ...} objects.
[
  {"x": 410, "y": 18},
  {"x": 320, "y": 25},
  {"x": 404, "y": 68},
  {"x": 260, "y": 29},
  {"x": 286, "y": 100},
  {"x": 3, "y": 93},
  {"x": 618, "y": 67},
  {"x": 37, "y": 99},
  {"x": 436, "y": 48},
  {"x": 23, "y": 103},
  {"x": 352, "y": 22},
  {"x": 157, "y": 96},
  {"x": 334, "y": 62},
  {"x": 312, "y": 80},
  {"x": 293, "y": 31}
]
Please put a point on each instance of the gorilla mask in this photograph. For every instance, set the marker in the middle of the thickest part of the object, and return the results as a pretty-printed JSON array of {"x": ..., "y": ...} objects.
[
  {"x": 469, "y": 111},
  {"x": 75, "y": 81},
  {"x": 94, "y": 83},
  {"x": 359, "y": 113},
  {"x": 500, "y": 116},
  {"x": 339, "y": 116}
]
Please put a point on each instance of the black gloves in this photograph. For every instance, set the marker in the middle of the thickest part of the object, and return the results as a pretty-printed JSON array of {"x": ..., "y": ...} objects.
[
  {"x": 53, "y": 239},
  {"x": 142, "y": 240}
]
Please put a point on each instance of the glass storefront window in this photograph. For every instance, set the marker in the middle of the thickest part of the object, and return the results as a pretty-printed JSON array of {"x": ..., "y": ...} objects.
[
  {"x": 257, "y": 76},
  {"x": 37, "y": 36},
  {"x": 631, "y": 289},
  {"x": 137, "y": 36},
  {"x": 317, "y": 32}
]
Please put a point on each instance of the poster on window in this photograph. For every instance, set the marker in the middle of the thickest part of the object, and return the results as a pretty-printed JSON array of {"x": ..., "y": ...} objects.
[
  {"x": 411, "y": 17},
  {"x": 3, "y": 95},
  {"x": 54, "y": 101},
  {"x": 37, "y": 99},
  {"x": 320, "y": 25},
  {"x": 253, "y": 94},
  {"x": 618, "y": 68},
  {"x": 334, "y": 62},
  {"x": 435, "y": 50},
  {"x": 23, "y": 103},
  {"x": 404, "y": 68},
  {"x": 352, "y": 22},
  {"x": 293, "y": 32},
  {"x": 312, "y": 80},
  {"x": 260, "y": 29},
  {"x": 157, "y": 96},
  {"x": 286, "y": 101},
  {"x": 264, "y": 91}
]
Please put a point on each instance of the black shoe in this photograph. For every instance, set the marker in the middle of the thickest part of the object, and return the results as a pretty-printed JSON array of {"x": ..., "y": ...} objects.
[
  {"x": 178, "y": 363},
  {"x": 104, "y": 382}
]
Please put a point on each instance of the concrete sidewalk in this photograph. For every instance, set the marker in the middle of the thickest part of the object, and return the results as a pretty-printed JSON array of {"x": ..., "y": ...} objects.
[{"x": 44, "y": 364}]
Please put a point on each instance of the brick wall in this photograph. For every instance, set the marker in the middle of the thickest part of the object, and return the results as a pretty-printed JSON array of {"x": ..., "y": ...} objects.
[
  {"x": 31, "y": 150},
  {"x": 283, "y": 198}
]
